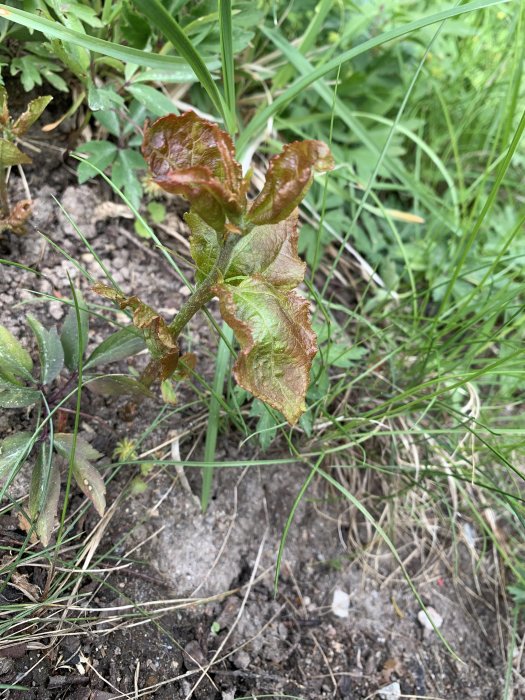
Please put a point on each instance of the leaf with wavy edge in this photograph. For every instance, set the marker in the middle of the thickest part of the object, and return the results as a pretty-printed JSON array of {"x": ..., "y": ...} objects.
[
  {"x": 288, "y": 179},
  {"x": 158, "y": 337},
  {"x": 276, "y": 339},
  {"x": 270, "y": 251},
  {"x": 192, "y": 157}
]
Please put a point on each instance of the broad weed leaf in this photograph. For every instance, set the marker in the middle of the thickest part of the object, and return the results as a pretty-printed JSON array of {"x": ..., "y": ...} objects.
[
  {"x": 276, "y": 340},
  {"x": 19, "y": 397},
  {"x": 13, "y": 449},
  {"x": 44, "y": 493},
  {"x": 32, "y": 112},
  {"x": 269, "y": 251},
  {"x": 74, "y": 338},
  {"x": 288, "y": 179},
  {"x": 118, "y": 385},
  {"x": 50, "y": 350},
  {"x": 121, "y": 344},
  {"x": 195, "y": 159},
  {"x": 159, "y": 340},
  {"x": 87, "y": 477},
  {"x": 14, "y": 359},
  {"x": 11, "y": 155}
]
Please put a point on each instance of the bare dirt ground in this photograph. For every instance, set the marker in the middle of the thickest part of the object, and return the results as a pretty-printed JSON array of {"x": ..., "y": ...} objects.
[{"x": 180, "y": 604}]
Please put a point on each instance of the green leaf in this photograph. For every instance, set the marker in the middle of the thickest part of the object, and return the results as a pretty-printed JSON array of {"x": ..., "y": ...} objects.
[
  {"x": 87, "y": 477},
  {"x": 154, "y": 100},
  {"x": 73, "y": 338},
  {"x": 19, "y": 397},
  {"x": 11, "y": 155},
  {"x": 118, "y": 385},
  {"x": 50, "y": 349},
  {"x": 44, "y": 493},
  {"x": 100, "y": 153},
  {"x": 101, "y": 98},
  {"x": 14, "y": 359},
  {"x": 193, "y": 158},
  {"x": 288, "y": 179},
  {"x": 121, "y": 344},
  {"x": 266, "y": 425},
  {"x": 269, "y": 251},
  {"x": 77, "y": 38},
  {"x": 13, "y": 449},
  {"x": 32, "y": 112},
  {"x": 276, "y": 339}
]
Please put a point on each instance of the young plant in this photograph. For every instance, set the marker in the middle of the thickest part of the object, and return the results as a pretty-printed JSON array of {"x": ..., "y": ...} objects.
[
  {"x": 47, "y": 393},
  {"x": 245, "y": 254},
  {"x": 11, "y": 131}
]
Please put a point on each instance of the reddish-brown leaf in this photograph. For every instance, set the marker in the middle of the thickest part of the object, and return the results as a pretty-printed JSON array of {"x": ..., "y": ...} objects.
[
  {"x": 276, "y": 340},
  {"x": 288, "y": 179},
  {"x": 269, "y": 251},
  {"x": 192, "y": 157},
  {"x": 161, "y": 343}
]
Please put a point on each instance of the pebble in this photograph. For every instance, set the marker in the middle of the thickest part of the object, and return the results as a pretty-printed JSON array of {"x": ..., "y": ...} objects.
[
  {"x": 390, "y": 692},
  {"x": 425, "y": 622},
  {"x": 340, "y": 603},
  {"x": 241, "y": 660}
]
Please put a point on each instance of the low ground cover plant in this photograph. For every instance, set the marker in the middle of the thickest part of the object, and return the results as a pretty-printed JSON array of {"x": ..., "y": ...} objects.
[{"x": 47, "y": 390}]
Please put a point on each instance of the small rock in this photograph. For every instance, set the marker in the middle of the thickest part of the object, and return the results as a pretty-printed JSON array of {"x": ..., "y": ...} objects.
[
  {"x": 228, "y": 694},
  {"x": 241, "y": 660},
  {"x": 390, "y": 692},
  {"x": 340, "y": 603},
  {"x": 6, "y": 666},
  {"x": 423, "y": 616}
]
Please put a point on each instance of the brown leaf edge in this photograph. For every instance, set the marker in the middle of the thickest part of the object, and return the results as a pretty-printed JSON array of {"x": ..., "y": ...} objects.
[{"x": 305, "y": 346}]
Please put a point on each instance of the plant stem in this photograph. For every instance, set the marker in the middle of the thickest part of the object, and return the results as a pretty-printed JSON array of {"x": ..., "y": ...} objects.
[
  {"x": 201, "y": 296},
  {"x": 204, "y": 291},
  {"x": 4, "y": 201}
]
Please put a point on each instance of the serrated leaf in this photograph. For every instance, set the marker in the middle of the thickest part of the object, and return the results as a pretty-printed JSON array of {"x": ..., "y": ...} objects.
[
  {"x": 161, "y": 343},
  {"x": 13, "y": 449},
  {"x": 19, "y": 397},
  {"x": 193, "y": 158},
  {"x": 32, "y": 112},
  {"x": 269, "y": 251},
  {"x": 44, "y": 493},
  {"x": 86, "y": 475},
  {"x": 74, "y": 339},
  {"x": 288, "y": 179},
  {"x": 118, "y": 385},
  {"x": 14, "y": 359},
  {"x": 121, "y": 344},
  {"x": 11, "y": 155},
  {"x": 276, "y": 339},
  {"x": 50, "y": 350}
]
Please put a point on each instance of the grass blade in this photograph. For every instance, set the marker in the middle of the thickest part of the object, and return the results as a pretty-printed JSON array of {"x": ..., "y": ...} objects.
[
  {"x": 173, "y": 32},
  {"x": 228, "y": 68},
  {"x": 223, "y": 356},
  {"x": 258, "y": 123},
  {"x": 106, "y": 48}
]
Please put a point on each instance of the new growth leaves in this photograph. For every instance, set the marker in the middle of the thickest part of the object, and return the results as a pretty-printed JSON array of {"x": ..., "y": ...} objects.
[{"x": 255, "y": 281}]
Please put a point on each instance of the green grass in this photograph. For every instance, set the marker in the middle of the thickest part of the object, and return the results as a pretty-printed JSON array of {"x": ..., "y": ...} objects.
[{"x": 416, "y": 406}]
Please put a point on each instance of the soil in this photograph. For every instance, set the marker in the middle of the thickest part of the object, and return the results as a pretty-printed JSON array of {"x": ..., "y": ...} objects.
[{"x": 171, "y": 590}]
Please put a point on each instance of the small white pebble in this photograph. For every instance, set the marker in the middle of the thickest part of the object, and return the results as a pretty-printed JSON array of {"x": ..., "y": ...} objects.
[
  {"x": 433, "y": 614},
  {"x": 340, "y": 603},
  {"x": 390, "y": 692}
]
